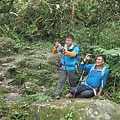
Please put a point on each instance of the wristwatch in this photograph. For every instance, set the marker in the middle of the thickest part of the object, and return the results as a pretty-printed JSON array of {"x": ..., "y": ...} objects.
[{"x": 84, "y": 62}]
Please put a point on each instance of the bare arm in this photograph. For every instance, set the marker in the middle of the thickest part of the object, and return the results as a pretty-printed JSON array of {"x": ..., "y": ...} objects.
[{"x": 100, "y": 91}]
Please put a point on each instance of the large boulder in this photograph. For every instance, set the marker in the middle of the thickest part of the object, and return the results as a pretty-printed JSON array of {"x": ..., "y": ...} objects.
[{"x": 78, "y": 109}]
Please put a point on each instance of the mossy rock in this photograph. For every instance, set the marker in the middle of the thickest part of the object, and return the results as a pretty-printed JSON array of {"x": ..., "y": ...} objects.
[
  {"x": 7, "y": 47},
  {"x": 79, "y": 109}
]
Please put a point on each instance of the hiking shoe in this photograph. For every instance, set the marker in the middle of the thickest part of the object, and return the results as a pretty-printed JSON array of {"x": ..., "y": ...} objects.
[
  {"x": 69, "y": 95},
  {"x": 57, "y": 97}
]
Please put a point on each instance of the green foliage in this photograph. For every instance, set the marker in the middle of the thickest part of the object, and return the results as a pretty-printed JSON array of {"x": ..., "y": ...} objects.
[
  {"x": 69, "y": 116},
  {"x": 30, "y": 88},
  {"x": 39, "y": 98},
  {"x": 20, "y": 77},
  {"x": 18, "y": 115},
  {"x": 4, "y": 109},
  {"x": 53, "y": 20},
  {"x": 7, "y": 47}
]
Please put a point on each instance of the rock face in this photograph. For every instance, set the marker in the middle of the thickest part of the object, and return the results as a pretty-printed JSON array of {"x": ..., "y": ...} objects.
[
  {"x": 103, "y": 110},
  {"x": 80, "y": 109}
]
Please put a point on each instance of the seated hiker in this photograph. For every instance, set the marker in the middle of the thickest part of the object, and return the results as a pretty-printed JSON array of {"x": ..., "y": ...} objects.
[
  {"x": 68, "y": 62},
  {"x": 97, "y": 77}
]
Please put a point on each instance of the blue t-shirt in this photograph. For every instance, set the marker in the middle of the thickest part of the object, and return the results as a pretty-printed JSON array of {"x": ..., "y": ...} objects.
[
  {"x": 69, "y": 63},
  {"x": 95, "y": 77}
]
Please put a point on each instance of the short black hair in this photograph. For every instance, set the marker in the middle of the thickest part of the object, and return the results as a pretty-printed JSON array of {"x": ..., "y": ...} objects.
[
  {"x": 70, "y": 36},
  {"x": 103, "y": 57}
]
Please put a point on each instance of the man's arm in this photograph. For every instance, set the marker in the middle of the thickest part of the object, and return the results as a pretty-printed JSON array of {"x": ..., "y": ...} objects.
[
  {"x": 83, "y": 65},
  {"x": 73, "y": 53},
  {"x": 100, "y": 91},
  {"x": 103, "y": 82},
  {"x": 69, "y": 53},
  {"x": 55, "y": 49}
]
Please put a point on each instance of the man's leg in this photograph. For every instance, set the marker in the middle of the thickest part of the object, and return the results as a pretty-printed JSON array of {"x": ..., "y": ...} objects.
[
  {"x": 87, "y": 94},
  {"x": 71, "y": 77},
  {"x": 61, "y": 82},
  {"x": 82, "y": 92},
  {"x": 77, "y": 90}
]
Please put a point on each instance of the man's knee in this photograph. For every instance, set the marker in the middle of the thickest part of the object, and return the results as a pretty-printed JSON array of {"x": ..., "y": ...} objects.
[
  {"x": 87, "y": 94},
  {"x": 73, "y": 90}
]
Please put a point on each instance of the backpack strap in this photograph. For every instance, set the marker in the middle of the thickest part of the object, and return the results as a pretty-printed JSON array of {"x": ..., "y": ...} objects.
[
  {"x": 71, "y": 47},
  {"x": 93, "y": 67},
  {"x": 103, "y": 72}
]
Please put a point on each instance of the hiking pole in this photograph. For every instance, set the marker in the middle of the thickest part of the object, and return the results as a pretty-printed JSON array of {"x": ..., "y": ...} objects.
[{"x": 78, "y": 85}]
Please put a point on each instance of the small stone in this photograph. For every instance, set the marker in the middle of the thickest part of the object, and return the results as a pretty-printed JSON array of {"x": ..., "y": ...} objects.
[
  {"x": 0, "y": 83},
  {"x": 4, "y": 64},
  {"x": 12, "y": 96},
  {"x": 95, "y": 113},
  {"x": 1, "y": 77}
]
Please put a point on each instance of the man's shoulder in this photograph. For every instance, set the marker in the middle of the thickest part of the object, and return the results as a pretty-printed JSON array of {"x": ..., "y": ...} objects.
[
  {"x": 91, "y": 65},
  {"x": 76, "y": 47},
  {"x": 106, "y": 69}
]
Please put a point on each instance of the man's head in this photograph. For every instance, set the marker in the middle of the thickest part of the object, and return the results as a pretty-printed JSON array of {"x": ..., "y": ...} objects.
[
  {"x": 100, "y": 60},
  {"x": 69, "y": 40}
]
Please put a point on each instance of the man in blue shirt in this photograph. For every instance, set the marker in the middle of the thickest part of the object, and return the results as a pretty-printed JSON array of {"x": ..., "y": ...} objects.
[
  {"x": 97, "y": 77},
  {"x": 69, "y": 61}
]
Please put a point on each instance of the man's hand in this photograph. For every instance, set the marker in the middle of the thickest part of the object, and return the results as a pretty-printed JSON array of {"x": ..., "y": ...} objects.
[
  {"x": 99, "y": 94},
  {"x": 87, "y": 57},
  {"x": 57, "y": 44},
  {"x": 61, "y": 47}
]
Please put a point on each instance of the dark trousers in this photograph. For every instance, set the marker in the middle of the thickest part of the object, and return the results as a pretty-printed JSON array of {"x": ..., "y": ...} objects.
[
  {"x": 71, "y": 74},
  {"x": 82, "y": 92}
]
